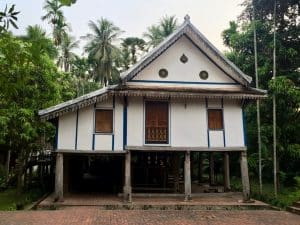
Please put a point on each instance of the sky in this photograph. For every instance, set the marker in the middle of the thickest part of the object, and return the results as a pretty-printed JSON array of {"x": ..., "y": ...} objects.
[{"x": 211, "y": 17}]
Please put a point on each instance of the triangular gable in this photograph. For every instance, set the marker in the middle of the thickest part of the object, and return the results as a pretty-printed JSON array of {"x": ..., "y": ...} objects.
[{"x": 198, "y": 39}]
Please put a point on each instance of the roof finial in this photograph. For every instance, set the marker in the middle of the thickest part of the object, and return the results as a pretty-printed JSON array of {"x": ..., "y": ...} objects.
[{"x": 187, "y": 18}]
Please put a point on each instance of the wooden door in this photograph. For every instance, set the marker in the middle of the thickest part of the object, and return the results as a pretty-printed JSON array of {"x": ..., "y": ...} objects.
[{"x": 157, "y": 122}]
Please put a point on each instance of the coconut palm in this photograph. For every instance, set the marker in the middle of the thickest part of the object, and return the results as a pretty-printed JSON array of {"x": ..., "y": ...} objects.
[
  {"x": 132, "y": 47},
  {"x": 102, "y": 50},
  {"x": 156, "y": 33},
  {"x": 67, "y": 55},
  {"x": 40, "y": 42},
  {"x": 55, "y": 17}
]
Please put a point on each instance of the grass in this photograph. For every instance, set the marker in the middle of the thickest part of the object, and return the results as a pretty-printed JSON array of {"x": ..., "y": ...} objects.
[
  {"x": 285, "y": 197},
  {"x": 9, "y": 200}
]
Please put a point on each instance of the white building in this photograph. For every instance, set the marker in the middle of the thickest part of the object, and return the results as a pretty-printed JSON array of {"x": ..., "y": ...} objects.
[{"x": 182, "y": 97}]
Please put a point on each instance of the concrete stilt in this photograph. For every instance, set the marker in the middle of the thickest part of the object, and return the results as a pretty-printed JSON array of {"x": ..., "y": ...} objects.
[
  {"x": 127, "y": 186},
  {"x": 226, "y": 172},
  {"x": 245, "y": 177},
  {"x": 59, "y": 177},
  {"x": 187, "y": 176}
]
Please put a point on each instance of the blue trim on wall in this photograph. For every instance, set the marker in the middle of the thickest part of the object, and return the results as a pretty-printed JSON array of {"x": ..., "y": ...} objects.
[
  {"x": 125, "y": 122},
  {"x": 181, "y": 82},
  {"x": 76, "y": 133},
  {"x": 93, "y": 137},
  {"x": 208, "y": 139},
  {"x": 113, "y": 134},
  {"x": 244, "y": 127}
]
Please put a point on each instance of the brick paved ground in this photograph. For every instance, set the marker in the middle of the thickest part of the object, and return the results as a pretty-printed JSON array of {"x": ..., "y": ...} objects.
[{"x": 92, "y": 215}]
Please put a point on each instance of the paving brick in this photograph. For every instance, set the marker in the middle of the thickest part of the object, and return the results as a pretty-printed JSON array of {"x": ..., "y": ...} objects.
[{"x": 93, "y": 216}]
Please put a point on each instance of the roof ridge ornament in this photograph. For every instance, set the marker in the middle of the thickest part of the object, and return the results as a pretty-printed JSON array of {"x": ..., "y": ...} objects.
[{"x": 187, "y": 18}]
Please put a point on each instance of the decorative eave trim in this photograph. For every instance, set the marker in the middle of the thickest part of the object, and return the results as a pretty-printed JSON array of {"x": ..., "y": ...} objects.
[
  {"x": 167, "y": 94},
  {"x": 77, "y": 103}
]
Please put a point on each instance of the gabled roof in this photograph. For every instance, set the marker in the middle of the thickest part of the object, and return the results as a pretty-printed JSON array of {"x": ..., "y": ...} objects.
[{"x": 193, "y": 34}]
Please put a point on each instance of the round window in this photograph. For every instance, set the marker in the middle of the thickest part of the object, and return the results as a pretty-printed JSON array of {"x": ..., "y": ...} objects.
[
  {"x": 183, "y": 58},
  {"x": 163, "y": 73},
  {"x": 203, "y": 75}
]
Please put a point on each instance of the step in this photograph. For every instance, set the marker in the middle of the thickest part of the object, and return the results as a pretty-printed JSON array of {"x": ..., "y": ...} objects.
[
  {"x": 295, "y": 210},
  {"x": 296, "y": 204}
]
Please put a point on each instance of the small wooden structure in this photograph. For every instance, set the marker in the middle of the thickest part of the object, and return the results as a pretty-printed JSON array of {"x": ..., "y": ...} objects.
[{"x": 183, "y": 97}]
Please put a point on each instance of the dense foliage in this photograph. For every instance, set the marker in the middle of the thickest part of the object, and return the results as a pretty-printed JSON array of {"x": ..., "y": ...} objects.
[{"x": 239, "y": 39}]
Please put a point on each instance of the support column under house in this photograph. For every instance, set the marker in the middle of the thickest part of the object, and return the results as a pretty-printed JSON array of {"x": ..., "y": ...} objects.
[
  {"x": 226, "y": 172},
  {"x": 187, "y": 176},
  {"x": 59, "y": 177},
  {"x": 245, "y": 176},
  {"x": 127, "y": 186}
]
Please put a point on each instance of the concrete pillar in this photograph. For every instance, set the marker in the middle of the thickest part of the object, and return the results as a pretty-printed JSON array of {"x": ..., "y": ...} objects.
[
  {"x": 245, "y": 176},
  {"x": 187, "y": 176},
  {"x": 226, "y": 172},
  {"x": 59, "y": 177},
  {"x": 127, "y": 191},
  {"x": 211, "y": 169}
]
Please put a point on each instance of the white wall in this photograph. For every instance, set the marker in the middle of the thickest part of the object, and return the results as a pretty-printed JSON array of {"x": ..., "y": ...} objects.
[
  {"x": 85, "y": 128},
  {"x": 66, "y": 131},
  {"x": 118, "y": 124},
  {"x": 135, "y": 121},
  {"x": 188, "y": 123},
  {"x": 183, "y": 72},
  {"x": 233, "y": 119}
]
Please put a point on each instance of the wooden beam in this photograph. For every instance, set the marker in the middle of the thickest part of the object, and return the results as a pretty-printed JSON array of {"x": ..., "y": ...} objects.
[{"x": 183, "y": 149}]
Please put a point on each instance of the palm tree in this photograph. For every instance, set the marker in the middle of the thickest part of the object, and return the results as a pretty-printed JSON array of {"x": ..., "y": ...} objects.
[
  {"x": 66, "y": 55},
  {"x": 55, "y": 17},
  {"x": 41, "y": 44},
  {"x": 156, "y": 33},
  {"x": 101, "y": 49},
  {"x": 131, "y": 48}
]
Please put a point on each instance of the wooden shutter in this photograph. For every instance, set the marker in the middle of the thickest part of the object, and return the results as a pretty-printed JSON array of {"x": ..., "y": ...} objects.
[
  {"x": 157, "y": 122},
  {"x": 215, "y": 119},
  {"x": 104, "y": 121}
]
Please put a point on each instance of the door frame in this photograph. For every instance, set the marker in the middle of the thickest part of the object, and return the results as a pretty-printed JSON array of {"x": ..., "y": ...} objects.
[{"x": 144, "y": 121}]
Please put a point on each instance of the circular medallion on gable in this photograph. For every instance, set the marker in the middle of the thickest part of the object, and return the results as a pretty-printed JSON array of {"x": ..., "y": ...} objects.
[
  {"x": 163, "y": 73},
  {"x": 183, "y": 58},
  {"x": 203, "y": 75}
]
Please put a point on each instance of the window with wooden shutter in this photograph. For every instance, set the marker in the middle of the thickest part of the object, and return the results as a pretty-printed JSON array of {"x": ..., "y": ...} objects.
[
  {"x": 215, "y": 119},
  {"x": 157, "y": 122},
  {"x": 104, "y": 121}
]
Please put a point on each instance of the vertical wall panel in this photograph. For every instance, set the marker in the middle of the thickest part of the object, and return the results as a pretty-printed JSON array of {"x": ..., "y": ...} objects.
[
  {"x": 135, "y": 121},
  {"x": 188, "y": 123},
  {"x": 67, "y": 131},
  {"x": 233, "y": 120},
  {"x": 85, "y": 128}
]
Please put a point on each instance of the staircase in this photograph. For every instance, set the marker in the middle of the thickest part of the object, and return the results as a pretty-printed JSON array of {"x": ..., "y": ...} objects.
[{"x": 295, "y": 208}]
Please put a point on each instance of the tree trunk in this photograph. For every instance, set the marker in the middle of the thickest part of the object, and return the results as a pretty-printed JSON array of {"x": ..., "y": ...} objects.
[
  {"x": 7, "y": 164},
  {"x": 19, "y": 171}
]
